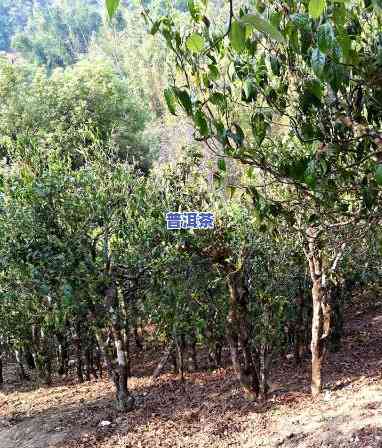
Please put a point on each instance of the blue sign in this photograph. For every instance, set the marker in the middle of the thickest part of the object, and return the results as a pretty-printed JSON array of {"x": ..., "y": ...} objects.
[{"x": 190, "y": 220}]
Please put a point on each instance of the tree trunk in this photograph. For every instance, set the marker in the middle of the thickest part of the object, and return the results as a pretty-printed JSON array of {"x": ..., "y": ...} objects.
[
  {"x": 105, "y": 354},
  {"x": 63, "y": 354},
  {"x": 125, "y": 401},
  {"x": 78, "y": 355},
  {"x": 215, "y": 354},
  {"x": 322, "y": 312},
  {"x": 41, "y": 352},
  {"x": 317, "y": 343},
  {"x": 29, "y": 359},
  {"x": 299, "y": 341},
  {"x": 163, "y": 361},
  {"x": 193, "y": 359},
  {"x": 98, "y": 361},
  {"x": 46, "y": 356},
  {"x": 138, "y": 339},
  {"x": 180, "y": 346},
  {"x": 20, "y": 367},
  {"x": 89, "y": 368},
  {"x": 1, "y": 371},
  {"x": 126, "y": 328},
  {"x": 336, "y": 300},
  {"x": 265, "y": 362},
  {"x": 174, "y": 361},
  {"x": 239, "y": 332},
  {"x": 218, "y": 353}
]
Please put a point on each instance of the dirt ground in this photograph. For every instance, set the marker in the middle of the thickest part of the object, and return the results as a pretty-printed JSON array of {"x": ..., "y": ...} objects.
[{"x": 208, "y": 410}]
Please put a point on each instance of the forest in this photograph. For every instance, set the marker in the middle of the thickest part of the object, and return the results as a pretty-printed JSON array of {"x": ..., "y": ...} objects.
[{"x": 190, "y": 223}]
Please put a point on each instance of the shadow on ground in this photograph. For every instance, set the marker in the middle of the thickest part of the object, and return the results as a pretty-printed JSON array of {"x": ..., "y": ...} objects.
[{"x": 208, "y": 409}]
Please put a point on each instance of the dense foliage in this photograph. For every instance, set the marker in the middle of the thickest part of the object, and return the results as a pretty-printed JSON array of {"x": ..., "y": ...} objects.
[
  {"x": 294, "y": 91},
  {"x": 73, "y": 110},
  {"x": 284, "y": 100},
  {"x": 58, "y": 33}
]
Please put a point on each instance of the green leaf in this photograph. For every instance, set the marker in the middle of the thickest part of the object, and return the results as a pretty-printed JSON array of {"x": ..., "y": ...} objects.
[
  {"x": 318, "y": 61},
  {"x": 170, "y": 100},
  {"x": 206, "y": 80},
  {"x": 345, "y": 45},
  {"x": 220, "y": 131},
  {"x": 259, "y": 127},
  {"x": 325, "y": 37},
  {"x": 222, "y": 165},
  {"x": 263, "y": 26},
  {"x": 218, "y": 99},
  {"x": 201, "y": 123},
  {"x": 213, "y": 72},
  {"x": 339, "y": 15},
  {"x": 336, "y": 75},
  {"x": 194, "y": 9},
  {"x": 275, "y": 18},
  {"x": 302, "y": 21},
  {"x": 155, "y": 27},
  {"x": 297, "y": 169},
  {"x": 184, "y": 100},
  {"x": 195, "y": 43},
  {"x": 316, "y": 8},
  {"x": 311, "y": 180},
  {"x": 231, "y": 190},
  {"x": 239, "y": 135},
  {"x": 112, "y": 6},
  {"x": 249, "y": 90},
  {"x": 237, "y": 36},
  {"x": 275, "y": 65},
  {"x": 311, "y": 95},
  {"x": 377, "y": 4},
  {"x": 378, "y": 174}
]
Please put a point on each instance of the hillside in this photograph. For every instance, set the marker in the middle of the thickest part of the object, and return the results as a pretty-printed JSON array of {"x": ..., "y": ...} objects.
[{"x": 208, "y": 409}]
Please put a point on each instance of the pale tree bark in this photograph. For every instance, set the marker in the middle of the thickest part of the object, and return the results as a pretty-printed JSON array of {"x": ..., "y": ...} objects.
[
  {"x": 41, "y": 352},
  {"x": 46, "y": 357},
  {"x": 125, "y": 401},
  {"x": 105, "y": 353},
  {"x": 317, "y": 344},
  {"x": 265, "y": 364},
  {"x": 322, "y": 307},
  {"x": 62, "y": 353},
  {"x": 98, "y": 360},
  {"x": 118, "y": 369}
]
